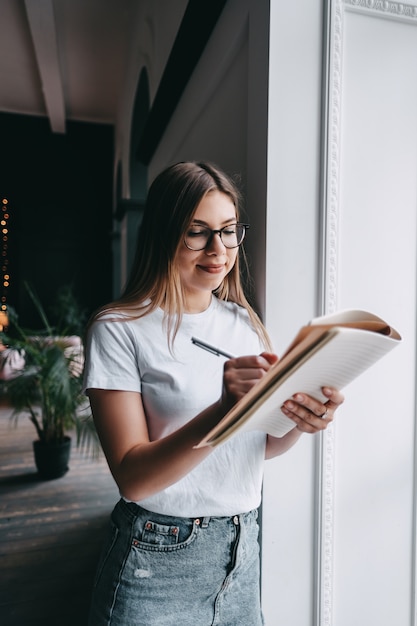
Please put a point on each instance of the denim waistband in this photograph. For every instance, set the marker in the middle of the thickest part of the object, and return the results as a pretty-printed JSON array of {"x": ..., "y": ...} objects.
[{"x": 133, "y": 510}]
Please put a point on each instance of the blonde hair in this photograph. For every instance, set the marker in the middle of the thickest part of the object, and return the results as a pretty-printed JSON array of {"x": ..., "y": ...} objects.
[{"x": 154, "y": 279}]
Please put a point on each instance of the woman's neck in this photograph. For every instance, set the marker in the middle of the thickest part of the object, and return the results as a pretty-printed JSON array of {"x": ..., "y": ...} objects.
[{"x": 197, "y": 304}]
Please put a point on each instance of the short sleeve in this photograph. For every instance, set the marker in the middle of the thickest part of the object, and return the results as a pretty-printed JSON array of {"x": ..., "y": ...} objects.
[{"x": 111, "y": 357}]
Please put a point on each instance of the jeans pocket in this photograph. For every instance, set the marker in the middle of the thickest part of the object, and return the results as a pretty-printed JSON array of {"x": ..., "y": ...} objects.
[
  {"x": 160, "y": 534},
  {"x": 156, "y": 535}
]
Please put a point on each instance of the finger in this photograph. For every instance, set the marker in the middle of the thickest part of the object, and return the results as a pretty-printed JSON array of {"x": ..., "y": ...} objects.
[
  {"x": 307, "y": 420},
  {"x": 336, "y": 398},
  {"x": 310, "y": 405},
  {"x": 246, "y": 368},
  {"x": 312, "y": 427},
  {"x": 243, "y": 375},
  {"x": 299, "y": 412},
  {"x": 309, "y": 424},
  {"x": 253, "y": 361},
  {"x": 270, "y": 357}
]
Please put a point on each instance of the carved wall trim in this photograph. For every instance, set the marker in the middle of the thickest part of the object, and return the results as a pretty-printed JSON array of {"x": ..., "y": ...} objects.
[
  {"x": 384, "y": 7},
  {"x": 331, "y": 157}
]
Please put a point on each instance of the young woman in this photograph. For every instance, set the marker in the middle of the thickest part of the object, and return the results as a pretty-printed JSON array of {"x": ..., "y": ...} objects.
[{"x": 183, "y": 546}]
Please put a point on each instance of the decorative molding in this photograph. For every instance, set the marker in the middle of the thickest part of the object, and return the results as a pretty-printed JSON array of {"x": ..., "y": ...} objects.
[
  {"x": 325, "y": 526},
  {"x": 333, "y": 123},
  {"x": 326, "y": 454},
  {"x": 390, "y": 9}
]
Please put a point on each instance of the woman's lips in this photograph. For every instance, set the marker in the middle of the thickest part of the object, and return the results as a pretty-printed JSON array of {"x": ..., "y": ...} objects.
[{"x": 212, "y": 269}]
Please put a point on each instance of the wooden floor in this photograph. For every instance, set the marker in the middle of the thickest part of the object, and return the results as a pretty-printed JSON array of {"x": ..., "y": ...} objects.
[{"x": 50, "y": 532}]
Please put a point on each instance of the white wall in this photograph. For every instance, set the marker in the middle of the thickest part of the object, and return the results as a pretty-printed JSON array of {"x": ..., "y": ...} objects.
[
  {"x": 289, "y": 540},
  {"x": 346, "y": 509}
]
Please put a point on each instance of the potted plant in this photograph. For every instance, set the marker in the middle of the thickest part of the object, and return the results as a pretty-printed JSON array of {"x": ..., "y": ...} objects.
[{"x": 47, "y": 386}]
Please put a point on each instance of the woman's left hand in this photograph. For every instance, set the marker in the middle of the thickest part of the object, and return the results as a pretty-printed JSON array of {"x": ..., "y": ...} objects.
[{"x": 311, "y": 415}]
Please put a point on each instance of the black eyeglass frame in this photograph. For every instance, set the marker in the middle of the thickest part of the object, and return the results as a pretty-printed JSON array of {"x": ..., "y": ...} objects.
[{"x": 219, "y": 232}]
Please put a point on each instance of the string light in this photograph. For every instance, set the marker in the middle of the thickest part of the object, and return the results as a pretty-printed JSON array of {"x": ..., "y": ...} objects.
[{"x": 5, "y": 283}]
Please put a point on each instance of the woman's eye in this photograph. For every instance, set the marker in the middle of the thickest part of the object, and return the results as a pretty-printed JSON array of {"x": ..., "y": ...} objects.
[{"x": 196, "y": 233}]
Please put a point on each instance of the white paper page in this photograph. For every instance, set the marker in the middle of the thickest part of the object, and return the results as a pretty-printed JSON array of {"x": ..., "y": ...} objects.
[{"x": 336, "y": 364}]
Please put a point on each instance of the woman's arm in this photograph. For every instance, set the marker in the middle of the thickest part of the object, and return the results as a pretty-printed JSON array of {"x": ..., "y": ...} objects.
[{"x": 142, "y": 467}]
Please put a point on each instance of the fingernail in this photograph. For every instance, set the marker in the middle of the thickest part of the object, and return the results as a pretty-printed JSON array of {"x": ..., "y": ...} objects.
[
  {"x": 327, "y": 391},
  {"x": 299, "y": 397}
]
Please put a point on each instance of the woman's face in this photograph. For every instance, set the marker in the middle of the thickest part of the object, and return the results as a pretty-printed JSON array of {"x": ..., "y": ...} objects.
[{"x": 202, "y": 271}]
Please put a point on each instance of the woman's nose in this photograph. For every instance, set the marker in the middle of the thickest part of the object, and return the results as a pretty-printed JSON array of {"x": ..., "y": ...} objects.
[{"x": 215, "y": 243}]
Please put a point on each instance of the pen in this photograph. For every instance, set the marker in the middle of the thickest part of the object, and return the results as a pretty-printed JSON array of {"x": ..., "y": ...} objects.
[{"x": 212, "y": 349}]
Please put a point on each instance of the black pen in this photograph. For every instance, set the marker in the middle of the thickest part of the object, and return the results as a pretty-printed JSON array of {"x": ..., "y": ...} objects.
[{"x": 212, "y": 349}]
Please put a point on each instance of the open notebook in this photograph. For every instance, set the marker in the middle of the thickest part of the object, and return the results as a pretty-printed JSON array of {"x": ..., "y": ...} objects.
[{"x": 331, "y": 351}]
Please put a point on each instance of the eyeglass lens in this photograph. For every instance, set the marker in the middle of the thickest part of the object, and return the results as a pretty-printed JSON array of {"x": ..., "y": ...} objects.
[{"x": 198, "y": 237}]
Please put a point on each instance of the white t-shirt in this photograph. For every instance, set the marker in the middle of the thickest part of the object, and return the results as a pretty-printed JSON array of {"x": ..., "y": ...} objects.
[{"x": 134, "y": 356}]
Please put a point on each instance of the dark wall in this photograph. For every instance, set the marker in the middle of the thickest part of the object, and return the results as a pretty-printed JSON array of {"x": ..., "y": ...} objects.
[{"x": 59, "y": 189}]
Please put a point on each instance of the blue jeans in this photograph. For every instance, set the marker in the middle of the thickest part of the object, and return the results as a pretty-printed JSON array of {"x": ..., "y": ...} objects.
[{"x": 158, "y": 570}]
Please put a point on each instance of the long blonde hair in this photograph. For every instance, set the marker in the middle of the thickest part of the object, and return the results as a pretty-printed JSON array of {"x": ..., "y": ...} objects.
[{"x": 154, "y": 280}]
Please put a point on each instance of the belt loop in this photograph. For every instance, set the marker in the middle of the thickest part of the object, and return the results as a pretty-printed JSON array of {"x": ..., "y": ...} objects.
[{"x": 205, "y": 522}]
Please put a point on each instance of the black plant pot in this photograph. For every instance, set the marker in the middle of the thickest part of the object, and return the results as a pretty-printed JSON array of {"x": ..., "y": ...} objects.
[{"x": 52, "y": 459}]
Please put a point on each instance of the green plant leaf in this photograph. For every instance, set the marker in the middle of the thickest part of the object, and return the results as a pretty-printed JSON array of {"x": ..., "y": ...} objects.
[{"x": 49, "y": 387}]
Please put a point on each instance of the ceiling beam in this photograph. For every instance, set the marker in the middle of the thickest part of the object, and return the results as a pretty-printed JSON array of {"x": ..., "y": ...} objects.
[{"x": 42, "y": 27}]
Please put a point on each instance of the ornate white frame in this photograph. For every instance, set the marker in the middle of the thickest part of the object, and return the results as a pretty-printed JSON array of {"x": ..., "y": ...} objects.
[{"x": 332, "y": 98}]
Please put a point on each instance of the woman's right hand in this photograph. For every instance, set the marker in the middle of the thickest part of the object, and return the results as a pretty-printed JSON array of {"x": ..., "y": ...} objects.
[{"x": 242, "y": 373}]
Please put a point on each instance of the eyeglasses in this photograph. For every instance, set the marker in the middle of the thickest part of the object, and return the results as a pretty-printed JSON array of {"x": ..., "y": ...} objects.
[{"x": 199, "y": 237}]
